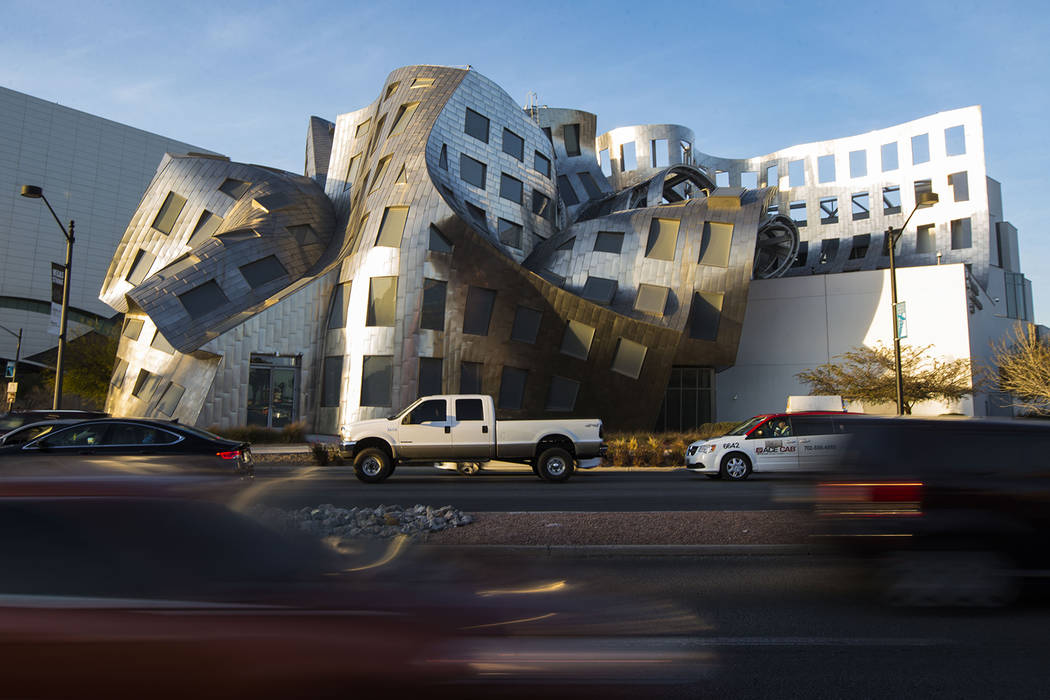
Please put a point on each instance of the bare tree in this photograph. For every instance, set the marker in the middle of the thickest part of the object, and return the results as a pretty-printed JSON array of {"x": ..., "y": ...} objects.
[
  {"x": 1021, "y": 368},
  {"x": 868, "y": 374}
]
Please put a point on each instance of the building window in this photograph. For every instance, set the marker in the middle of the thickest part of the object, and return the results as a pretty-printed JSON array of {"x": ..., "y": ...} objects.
[
  {"x": 419, "y": 83},
  {"x": 861, "y": 206},
  {"x": 169, "y": 212},
  {"x": 432, "y": 312},
  {"x": 829, "y": 248},
  {"x": 955, "y": 141},
  {"x": 203, "y": 299},
  {"x": 161, "y": 343},
  {"x": 206, "y": 227},
  {"x": 142, "y": 383},
  {"x": 119, "y": 372},
  {"x": 234, "y": 188},
  {"x": 568, "y": 194},
  {"x": 798, "y": 212},
  {"x": 800, "y": 257},
  {"x": 629, "y": 358},
  {"x": 392, "y": 227},
  {"x": 477, "y": 212},
  {"x": 510, "y": 188},
  {"x": 438, "y": 242},
  {"x": 749, "y": 179},
  {"x": 382, "y": 301},
  {"x": 512, "y": 387},
  {"x": 718, "y": 238},
  {"x": 608, "y": 242},
  {"x": 926, "y": 239},
  {"x": 470, "y": 377},
  {"x": 513, "y": 145},
  {"x": 391, "y": 89},
  {"x": 961, "y": 234},
  {"x": 1017, "y": 288},
  {"x": 826, "y": 168},
  {"x": 362, "y": 128},
  {"x": 922, "y": 186},
  {"x": 604, "y": 162},
  {"x": 829, "y": 210},
  {"x": 472, "y": 171},
  {"x": 510, "y": 233},
  {"x": 706, "y": 314},
  {"x": 773, "y": 209},
  {"x": 576, "y": 342},
  {"x": 430, "y": 369},
  {"x": 796, "y": 173},
  {"x": 541, "y": 164},
  {"x": 140, "y": 267},
  {"x": 628, "y": 156},
  {"x": 772, "y": 176},
  {"x": 526, "y": 325},
  {"x": 562, "y": 394},
  {"x": 571, "y": 135},
  {"x": 374, "y": 141},
  {"x": 891, "y": 200},
  {"x": 169, "y": 401},
  {"x": 476, "y": 125},
  {"x": 541, "y": 205},
  {"x": 477, "y": 312},
  {"x": 351, "y": 171},
  {"x": 376, "y": 380},
  {"x": 403, "y": 116},
  {"x": 889, "y": 157},
  {"x": 651, "y": 299},
  {"x": 920, "y": 149},
  {"x": 132, "y": 328},
  {"x": 663, "y": 239},
  {"x": 659, "y": 156},
  {"x": 599, "y": 290},
  {"x": 380, "y": 170},
  {"x": 721, "y": 178},
  {"x": 263, "y": 271},
  {"x": 443, "y": 158},
  {"x": 589, "y": 185},
  {"x": 858, "y": 163},
  {"x": 859, "y": 249},
  {"x": 959, "y": 182},
  {"x": 338, "y": 307},
  {"x": 688, "y": 400}
]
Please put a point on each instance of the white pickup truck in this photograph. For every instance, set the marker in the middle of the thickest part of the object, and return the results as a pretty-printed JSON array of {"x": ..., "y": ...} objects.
[{"x": 463, "y": 428}]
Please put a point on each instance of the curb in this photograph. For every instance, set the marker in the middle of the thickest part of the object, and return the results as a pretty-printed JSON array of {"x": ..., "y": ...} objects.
[{"x": 629, "y": 550}]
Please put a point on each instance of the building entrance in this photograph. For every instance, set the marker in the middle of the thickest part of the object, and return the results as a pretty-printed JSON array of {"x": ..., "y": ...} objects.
[
  {"x": 273, "y": 390},
  {"x": 689, "y": 399}
]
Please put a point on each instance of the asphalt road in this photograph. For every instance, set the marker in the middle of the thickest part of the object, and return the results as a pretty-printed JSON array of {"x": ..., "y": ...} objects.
[{"x": 509, "y": 491}]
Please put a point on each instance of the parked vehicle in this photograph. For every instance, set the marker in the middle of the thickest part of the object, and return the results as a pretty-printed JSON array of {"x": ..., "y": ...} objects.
[
  {"x": 463, "y": 428},
  {"x": 771, "y": 442},
  {"x": 25, "y": 433},
  {"x": 949, "y": 511},
  {"x": 148, "y": 446},
  {"x": 15, "y": 419}
]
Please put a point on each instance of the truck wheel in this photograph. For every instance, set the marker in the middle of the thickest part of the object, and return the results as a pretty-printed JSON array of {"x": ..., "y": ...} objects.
[
  {"x": 554, "y": 464},
  {"x": 468, "y": 468},
  {"x": 736, "y": 466},
  {"x": 373, "y": 465}
]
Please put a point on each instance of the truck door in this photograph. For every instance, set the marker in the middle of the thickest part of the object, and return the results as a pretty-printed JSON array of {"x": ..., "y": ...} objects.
[
  {"x": 471, "y": 434},
  {"x": 424, "y": 432},
  {"x": 774, "y": 445}
]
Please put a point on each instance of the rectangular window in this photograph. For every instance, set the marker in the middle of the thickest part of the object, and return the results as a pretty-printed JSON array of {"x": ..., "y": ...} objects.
[
  {"x": 798, "y": 212},
  {"x": 374, "y": 141},
  {"x": 510, "y": 233},
  {"x": 920, "y": 149},
  {"x": 351, "y": 171},
  {"x": 541, "y": 164},
  {"x": 206, "y": 227},
  {"x": 797, "y": 173},
  {"x": 513, "y": 145},
  {"x": 234, "y": 188},
  {"x": 526, "y": 325},
  {"x": 203, "y": 299},
  {"x": 429, "y": 376},
  {"x": 861, "y": 206},
  {"x": 141, "y": 384},
  {"x": 800, "y": 257},
  {"x": 663, "y": 239},
  {"x": 472, "y": 171},
  {"x": 749, "y": 179},
  {"x": 829, "y": 210},
  {"x": 858, "y": 163},
  {"x": 263, "y": 271},
  {"x": 829, "y": 248},
  {"x": 772, "y": 176},
  {"x": 589, "y": 185},
  {"x": 478, "y": 310},
  {"x": 628, "y": 156},
  {"x": 392, "y": 227},
  {"x": 438, "y": 242},
  {"x": 571, "y": 134},
  {"x": 568, "y": 194},
  {"x": 651, "y": 299},
  {"x": 382, "y": 301},
  {"x": 547, "y": 133},
  {"x": 629, "y": 358},
  {"x": 826, "y": 168},
  {"x": 660, "y": 156},
  {"x": 599, "y": 290},
  {"x": 721, "y": 178},
  {"x": 717, "y": 241},
  {"x": 376, "y": 380},
  {"x": 955, "y": 141},
  {"x": 512, "y": 387},
  {"x": 338, "y": 307},
  {"x": 443, "y": 158},
  {"x": 608, "y": 242},
  {"x": 478, "y": 213},
  {"x": 170, "y": 400},
  {"x": 133, "y": 328},
  {"x": 421, "y": 83},
  {"x": 169, "y": 212},
  {"x": 926, "y": 239},
  {"x": 541, "y": 205},
  {"x": 476, "y": 125},
  {"x": 161, "y": 343},
  {"x": 119, "y": 372},
  {"x": 959, "y": 182},
  {"x": 604, "y": 162},
  {"x": 470, "y": 409},
  {"x": 562, "y": 394},
  {"x": 404, "y": 115},
  {"x": 889, "y": 157},
  {"x": 860, "y": 246},
  {"x": 432, "y": 311},
  {"x": 510, "y": 188},
  {"x": 576, "y": 342},
  {"x": 469, "y": 379},
  {"x": 961, "y": 234},
  {"x": 140, "y": 267},
  {"x": 891, "y": 200},
  {"x": 362, "y": 128}
]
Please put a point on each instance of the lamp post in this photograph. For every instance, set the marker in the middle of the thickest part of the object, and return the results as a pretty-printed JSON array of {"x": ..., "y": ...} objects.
[
  {"x": 924, "y": 199},
  {"x": 34, "y": 192},
  {"x": 18, "y": 355}
]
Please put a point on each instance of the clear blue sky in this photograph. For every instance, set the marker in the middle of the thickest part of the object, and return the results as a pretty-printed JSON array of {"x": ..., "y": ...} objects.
[{"x": 243, "y": 78}]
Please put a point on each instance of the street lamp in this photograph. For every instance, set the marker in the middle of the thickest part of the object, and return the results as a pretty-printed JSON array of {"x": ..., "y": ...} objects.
[
  {"x": 34, "y": 192},
  {"x": 18, "y": 355},
  {"x": 924, "y": 199}
]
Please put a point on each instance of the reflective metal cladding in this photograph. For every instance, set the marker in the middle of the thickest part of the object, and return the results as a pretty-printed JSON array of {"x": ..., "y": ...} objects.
[{"x": 459, "y": 244}]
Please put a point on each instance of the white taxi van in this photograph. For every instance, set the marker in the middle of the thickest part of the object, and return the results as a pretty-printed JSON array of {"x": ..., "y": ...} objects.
[{"x": 771, "y": 442}]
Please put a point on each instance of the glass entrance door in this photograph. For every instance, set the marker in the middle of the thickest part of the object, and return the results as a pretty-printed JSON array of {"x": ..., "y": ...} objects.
[{"x": 273, "y": 390}]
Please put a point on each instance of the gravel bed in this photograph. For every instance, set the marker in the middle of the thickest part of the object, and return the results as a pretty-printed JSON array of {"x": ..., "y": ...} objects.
[{"x": 381, "y": 522}]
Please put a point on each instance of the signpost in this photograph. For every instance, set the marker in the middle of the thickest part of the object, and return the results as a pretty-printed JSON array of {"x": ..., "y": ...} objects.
[{"x": 902, "y": 320}]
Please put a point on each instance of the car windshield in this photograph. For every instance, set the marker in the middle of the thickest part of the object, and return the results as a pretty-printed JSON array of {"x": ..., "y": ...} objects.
[{"x": 747, "y": 425}]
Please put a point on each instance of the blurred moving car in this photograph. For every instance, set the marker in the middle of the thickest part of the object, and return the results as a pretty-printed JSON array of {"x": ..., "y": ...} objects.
[
  {"x": 129, "y": 444},
  {"x": 25, "y": 433},
  {"x": 950, "y": 511},
  {"x": 14, "y": 419},
  {"x": 805, "y": 441}
]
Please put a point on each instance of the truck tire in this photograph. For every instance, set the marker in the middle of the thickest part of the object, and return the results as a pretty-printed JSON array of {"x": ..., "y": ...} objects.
[
  {"x": 554, "y": 464},
  {"x": 373, "y": 465}
]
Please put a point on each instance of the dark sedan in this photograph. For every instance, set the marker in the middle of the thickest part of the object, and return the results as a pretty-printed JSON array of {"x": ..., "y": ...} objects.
[{"x": 128, "y": 445}]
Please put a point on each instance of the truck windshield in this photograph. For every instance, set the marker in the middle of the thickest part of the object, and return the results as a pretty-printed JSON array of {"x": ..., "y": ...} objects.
[{"x": 747, "y": 425}]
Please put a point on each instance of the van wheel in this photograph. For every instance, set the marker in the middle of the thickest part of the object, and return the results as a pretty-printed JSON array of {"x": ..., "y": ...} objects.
[
  {"x": 373, "y": 465},
  {"x": 736, "y": 466},
  {"x": 555, "y": 465}
]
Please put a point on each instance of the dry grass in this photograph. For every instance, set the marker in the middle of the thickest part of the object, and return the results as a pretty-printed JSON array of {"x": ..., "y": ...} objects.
[
  {"x": 293, "y": 432},
  {"x": 639, "y": 449}
]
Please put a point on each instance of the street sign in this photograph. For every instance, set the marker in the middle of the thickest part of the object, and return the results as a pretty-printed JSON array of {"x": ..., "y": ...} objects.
[
  {"x": 901, "y": 313},
  {"x": 9, "y": 370}
]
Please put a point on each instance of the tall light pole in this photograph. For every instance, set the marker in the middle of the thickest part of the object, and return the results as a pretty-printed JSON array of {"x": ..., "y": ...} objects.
[
  {"x": 34, "y": 192},
  {"x": 18, "y": 355},
  {"x": 924, "y": 199}
]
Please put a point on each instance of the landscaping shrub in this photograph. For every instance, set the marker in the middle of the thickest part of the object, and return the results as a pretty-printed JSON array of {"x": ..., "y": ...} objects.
[
  {"x": 255, "y": 434},
  {"x": 320, "y": 451},
  {"x": 657, "y": 449}
]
